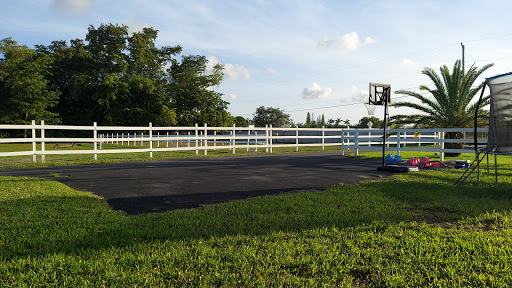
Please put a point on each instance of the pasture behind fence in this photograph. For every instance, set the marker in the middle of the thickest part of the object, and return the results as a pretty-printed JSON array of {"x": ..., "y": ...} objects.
[{"x": 137, "y": 139}]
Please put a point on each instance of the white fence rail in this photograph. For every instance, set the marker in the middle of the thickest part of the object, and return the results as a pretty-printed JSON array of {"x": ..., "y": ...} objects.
[{"x": 203, "y": 138}]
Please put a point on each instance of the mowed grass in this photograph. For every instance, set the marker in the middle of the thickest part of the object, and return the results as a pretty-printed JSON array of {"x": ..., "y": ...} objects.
[
  {"x": 84, "y": 159},
  {"x": 414, "y": 229}
]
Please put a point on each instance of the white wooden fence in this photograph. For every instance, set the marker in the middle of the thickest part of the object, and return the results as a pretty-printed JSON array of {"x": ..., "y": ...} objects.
[{"x": 158, "y": 139}]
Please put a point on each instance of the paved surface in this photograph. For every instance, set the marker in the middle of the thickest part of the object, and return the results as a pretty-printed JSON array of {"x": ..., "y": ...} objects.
[{"x": 163, "y": 185}]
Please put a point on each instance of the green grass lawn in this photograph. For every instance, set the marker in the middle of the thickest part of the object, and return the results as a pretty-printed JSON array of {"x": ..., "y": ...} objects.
[
  {"x": 414, "y": 229},
  {"x": 75, "y": 159}
]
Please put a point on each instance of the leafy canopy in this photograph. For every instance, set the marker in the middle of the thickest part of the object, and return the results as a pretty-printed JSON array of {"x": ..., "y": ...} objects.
[
  {"x": 24, "y": 90},
  {"x": 270, "y": 116}
]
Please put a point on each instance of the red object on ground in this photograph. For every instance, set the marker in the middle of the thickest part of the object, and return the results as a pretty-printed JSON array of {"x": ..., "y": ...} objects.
[{"x": 423, "y": 163}]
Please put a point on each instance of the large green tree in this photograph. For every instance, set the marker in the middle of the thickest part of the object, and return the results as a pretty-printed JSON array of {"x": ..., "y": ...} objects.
[
  {"x": 112, "y": 77},
  {"x": 192, "y": 97},
  {"x": 270, "y": 116},
  {"x": 72, "y": 75},
  {"x": 24, "y": 90},
  {"x": 449, "y": 104},
  {"x": 146, "y": 79}
]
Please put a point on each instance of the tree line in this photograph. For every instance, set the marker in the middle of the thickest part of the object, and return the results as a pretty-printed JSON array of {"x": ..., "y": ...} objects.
[{"x": 111, "y": 77}]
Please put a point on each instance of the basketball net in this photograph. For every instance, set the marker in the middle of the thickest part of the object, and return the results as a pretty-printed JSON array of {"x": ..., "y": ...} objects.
[{"x": 370, "y": 108}]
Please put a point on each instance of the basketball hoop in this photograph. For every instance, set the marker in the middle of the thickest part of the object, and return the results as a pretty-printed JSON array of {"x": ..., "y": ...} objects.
[
  {"x": 380, "y": 94},
  {"x": 370, "y": 108}
]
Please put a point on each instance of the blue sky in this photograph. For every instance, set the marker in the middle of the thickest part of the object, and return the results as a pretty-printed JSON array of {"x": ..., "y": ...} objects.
[{"x": 299, "y": 56}]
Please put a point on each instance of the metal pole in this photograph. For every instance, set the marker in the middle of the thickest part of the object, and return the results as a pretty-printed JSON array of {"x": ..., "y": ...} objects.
[
  {"x": 385, "y": 98},
  {"x": 475, "y": 131},
  {"x": 496, "y": 168}
]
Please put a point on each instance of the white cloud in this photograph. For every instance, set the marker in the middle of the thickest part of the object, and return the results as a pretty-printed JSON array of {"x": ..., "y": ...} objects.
[
  {"x": 235, "y": 71},
  {"x": 212, "y": 61},
  {"x": 315, "y": 92},
  {"x": 232, "y": 97},
  {"x": 271, "y": 70},
  {"x": 359, "y": 95},
  {"x": 408, "y": 62},
  {"x": 72, "y": 7},
  {"x": 346, "y": 42},
  {"x": 369, "y": 40},
  {"x": 231, "y": 71}
]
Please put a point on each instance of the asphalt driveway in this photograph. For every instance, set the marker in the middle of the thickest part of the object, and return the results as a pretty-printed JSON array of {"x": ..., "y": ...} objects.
[{"x": 157, "y": 186}]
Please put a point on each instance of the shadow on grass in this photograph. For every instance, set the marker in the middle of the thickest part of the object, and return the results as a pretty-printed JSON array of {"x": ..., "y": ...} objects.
[{"x": 71, "y": 222}]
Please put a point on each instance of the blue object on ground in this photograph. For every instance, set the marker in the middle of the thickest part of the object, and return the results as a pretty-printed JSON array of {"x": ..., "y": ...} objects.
[{"x": 393, "y": 160}]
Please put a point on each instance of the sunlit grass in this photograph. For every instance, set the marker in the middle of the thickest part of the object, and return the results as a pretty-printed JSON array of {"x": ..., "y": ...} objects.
[{"x": 413, "y": 229}]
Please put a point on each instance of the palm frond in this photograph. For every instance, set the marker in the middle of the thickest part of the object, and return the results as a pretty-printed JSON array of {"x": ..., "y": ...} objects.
[{"x": 452, "y": 96}]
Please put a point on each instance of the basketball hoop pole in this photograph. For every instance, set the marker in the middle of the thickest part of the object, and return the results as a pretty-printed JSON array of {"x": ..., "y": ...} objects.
[{"x": 385, "y": 98}]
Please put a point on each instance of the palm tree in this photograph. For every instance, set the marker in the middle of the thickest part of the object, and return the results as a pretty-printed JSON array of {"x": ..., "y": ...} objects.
[{"x": 451, "y": 106}]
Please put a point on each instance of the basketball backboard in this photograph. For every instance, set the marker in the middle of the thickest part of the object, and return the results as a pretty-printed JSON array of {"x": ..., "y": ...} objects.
[{"x": 379, "y": 92}]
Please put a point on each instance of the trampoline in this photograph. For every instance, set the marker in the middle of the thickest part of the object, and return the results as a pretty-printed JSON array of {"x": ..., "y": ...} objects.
[{"x": 499, "y": 140}]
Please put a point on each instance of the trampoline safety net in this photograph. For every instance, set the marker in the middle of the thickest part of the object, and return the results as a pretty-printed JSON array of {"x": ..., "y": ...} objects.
[{"x": 500, "y": 122}]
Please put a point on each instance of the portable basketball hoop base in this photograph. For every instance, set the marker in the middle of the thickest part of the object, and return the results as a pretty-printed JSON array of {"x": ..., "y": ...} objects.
[{"x": 380, "y": 94}]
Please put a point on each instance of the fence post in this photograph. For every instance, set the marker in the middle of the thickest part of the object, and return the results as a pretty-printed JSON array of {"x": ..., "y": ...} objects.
[
  {"x": 297, "y": 138},
  {"x": 356, "y": 142},
  {"x": 188, "y": 140},
  {"x": 256, "y": 141},
  {"x": 95, "y": 136},
  {"x": 271, "y": 133},
  {"x": 342, "y": 142},
  {"x": 215, "y": 138},
  {"x": 323, "y": 140},
  {"x": 177, "y": 141},
  {"x": 150, "y": 140},
  {"x": 441, "y": 134},
  {"x": 266, "y": 138},
  {"x": 158, "y": 139},
  {"x": 196, "y": 134},
  {"x": 141, "y": 139},
  {"x": 43, "y": 158},
  {"x": 205, "y": 139},
  {"x": 122, "y": 139},
  {"x": 405, "y": 138},
  {"x": 370, "y": 138},
  {"x": 248, "y": 139},
  {"x": 34, "y": 144},
  {"x": 398, "y": 142},
  {"x": 234, "y": 139}
]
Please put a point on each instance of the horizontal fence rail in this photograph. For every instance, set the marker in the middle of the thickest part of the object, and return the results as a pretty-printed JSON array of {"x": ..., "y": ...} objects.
[{"x": 151, "y": 139}]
